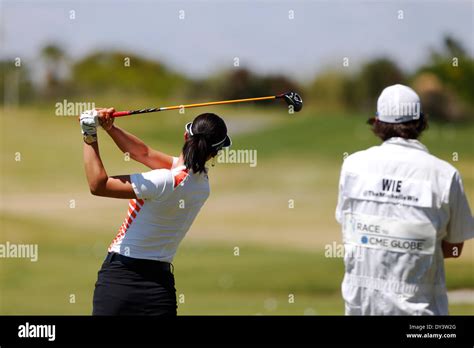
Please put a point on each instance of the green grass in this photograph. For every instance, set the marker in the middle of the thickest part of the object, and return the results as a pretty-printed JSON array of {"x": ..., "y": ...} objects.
[
  {"x": 281, "y": 250},
  {"x": 47, "y": 143},
  {"x": 211, "y": 277},
  {"x": 331, "y": 135}
]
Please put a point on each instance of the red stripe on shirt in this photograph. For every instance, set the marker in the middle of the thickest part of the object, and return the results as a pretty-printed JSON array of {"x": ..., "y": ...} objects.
[
  {"x": 179, "y": 177},
  {"x": 135, "y": 206}
]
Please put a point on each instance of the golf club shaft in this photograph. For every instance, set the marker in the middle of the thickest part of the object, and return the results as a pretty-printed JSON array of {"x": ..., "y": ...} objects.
[{"x": 187, "y": 106}]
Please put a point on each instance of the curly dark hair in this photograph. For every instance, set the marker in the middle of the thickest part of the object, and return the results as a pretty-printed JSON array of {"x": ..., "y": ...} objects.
[{"x": 407, "y": 130}]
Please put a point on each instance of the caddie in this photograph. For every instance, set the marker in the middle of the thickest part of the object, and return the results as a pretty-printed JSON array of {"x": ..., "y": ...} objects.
[{"x": 402, "y": 211}]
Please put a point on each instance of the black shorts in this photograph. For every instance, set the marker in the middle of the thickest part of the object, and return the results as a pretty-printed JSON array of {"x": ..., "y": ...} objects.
[{"x": 128, "y": 286}]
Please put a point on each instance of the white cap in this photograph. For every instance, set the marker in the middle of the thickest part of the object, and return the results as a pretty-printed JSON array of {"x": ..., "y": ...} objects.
[{"x": 398, "y": 104}]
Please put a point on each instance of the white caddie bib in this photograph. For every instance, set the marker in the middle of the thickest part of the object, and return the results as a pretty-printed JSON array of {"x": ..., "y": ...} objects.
[
  {"x": 389, "y": 234},
  {"x": 396, "y": 203},
  {"x": 385, "y": 188}
]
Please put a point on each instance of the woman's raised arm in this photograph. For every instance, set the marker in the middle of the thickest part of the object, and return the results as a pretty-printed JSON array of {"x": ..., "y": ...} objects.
[
  {"x": 137, "y": 149},
  {"x": 100, "y": 184}
]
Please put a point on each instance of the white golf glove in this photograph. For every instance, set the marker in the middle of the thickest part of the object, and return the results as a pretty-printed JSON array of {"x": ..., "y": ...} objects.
[{"x": 89, "y": 121}]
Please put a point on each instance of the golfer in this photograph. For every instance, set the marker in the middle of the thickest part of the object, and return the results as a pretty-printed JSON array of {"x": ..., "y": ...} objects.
[
  {"x": 136, "y": 277},
  {"x": 402, "y": 211}
]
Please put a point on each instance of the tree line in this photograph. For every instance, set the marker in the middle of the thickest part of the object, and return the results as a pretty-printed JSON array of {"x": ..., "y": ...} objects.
[{"x": 444, "y": 81}]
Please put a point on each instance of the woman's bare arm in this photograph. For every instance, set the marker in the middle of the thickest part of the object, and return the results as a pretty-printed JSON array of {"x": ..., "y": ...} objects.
[
  {"x": 137, "y": 149},
  {"x": 100, "y": 184}
]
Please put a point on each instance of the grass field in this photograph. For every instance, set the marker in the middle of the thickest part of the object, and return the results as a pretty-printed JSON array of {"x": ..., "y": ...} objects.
[{"x": 45, "y": 200}]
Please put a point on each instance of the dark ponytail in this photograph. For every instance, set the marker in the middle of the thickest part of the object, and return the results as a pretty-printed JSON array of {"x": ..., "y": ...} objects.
[
  {"x": 196, "y": 153},
  {"x": 204, "y": 133}
]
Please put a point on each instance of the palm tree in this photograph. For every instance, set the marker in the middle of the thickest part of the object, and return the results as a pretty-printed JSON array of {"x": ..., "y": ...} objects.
[{"x": 53, "y": 57}]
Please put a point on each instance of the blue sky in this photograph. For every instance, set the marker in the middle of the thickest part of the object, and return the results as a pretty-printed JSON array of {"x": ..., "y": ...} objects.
[{"x": 259, "y": 33}]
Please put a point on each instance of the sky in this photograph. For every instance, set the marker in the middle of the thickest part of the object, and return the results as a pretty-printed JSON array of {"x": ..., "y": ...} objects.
[{"x": 265, "y": 36}]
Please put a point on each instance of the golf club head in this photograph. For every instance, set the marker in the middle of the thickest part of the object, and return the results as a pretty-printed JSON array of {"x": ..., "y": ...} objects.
[{"x": 293, "y": 98}]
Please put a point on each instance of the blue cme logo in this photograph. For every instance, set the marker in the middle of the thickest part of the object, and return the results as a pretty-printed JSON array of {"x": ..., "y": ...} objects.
[{"x": 364, "y": 239}]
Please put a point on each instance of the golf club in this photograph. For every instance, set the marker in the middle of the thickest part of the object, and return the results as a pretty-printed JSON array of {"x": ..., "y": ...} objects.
[{"x": 291, "y": 98}]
